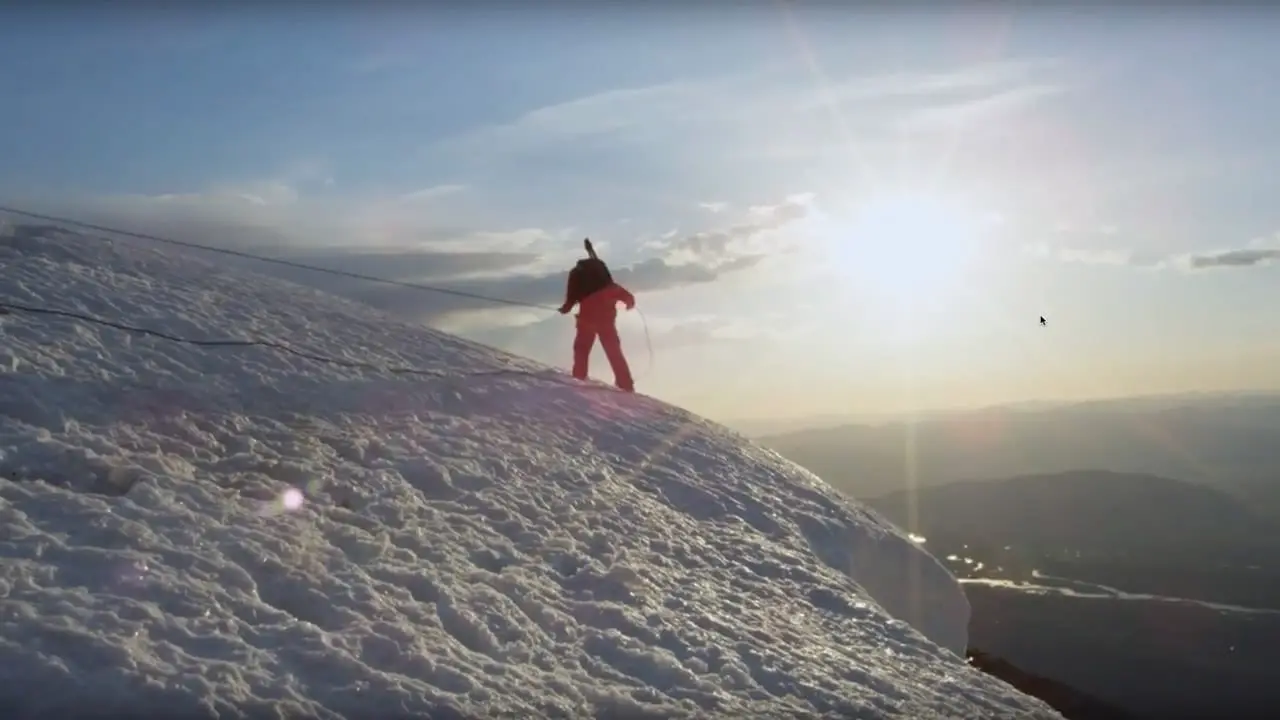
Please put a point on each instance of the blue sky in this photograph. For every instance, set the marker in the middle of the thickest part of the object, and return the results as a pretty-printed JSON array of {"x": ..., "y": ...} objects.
[{"x": 821, "y": 210}]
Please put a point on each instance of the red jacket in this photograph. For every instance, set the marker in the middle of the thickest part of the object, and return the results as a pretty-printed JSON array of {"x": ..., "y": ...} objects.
[{"x": 600, "y": 308}]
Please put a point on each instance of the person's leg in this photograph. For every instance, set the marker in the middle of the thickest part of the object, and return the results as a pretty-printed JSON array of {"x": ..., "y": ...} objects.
[
  {"x": 582, "y": 344},
  {"x": 613, "y": 350}
]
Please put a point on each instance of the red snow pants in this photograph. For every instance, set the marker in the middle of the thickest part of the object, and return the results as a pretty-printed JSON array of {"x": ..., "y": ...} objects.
[{"x": 608, "y": 334}]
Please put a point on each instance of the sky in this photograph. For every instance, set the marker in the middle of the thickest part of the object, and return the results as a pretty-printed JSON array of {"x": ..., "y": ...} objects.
[{"x": 821, "y": 208}]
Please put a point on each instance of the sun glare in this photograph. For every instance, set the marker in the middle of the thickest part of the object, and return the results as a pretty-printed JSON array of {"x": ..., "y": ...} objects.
[{"x": 909, "y": 248}]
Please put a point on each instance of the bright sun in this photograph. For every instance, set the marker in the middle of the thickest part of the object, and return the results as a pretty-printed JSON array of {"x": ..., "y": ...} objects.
[{"x": 909, "y": 248}]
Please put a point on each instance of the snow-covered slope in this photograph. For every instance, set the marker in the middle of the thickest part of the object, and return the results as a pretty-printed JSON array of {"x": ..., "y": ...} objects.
[{"x": 244, "y": 530}]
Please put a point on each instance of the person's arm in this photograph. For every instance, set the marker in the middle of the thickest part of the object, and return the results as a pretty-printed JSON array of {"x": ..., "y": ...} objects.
[
  {"x": 569, "y": 299},
  {"x": 625, "y": 296}
]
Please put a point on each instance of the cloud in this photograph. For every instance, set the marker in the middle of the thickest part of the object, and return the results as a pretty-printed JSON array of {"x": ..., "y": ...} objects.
[
  {"x": 1257, "y": 253},
  {"x": 700, "y": 330},
  {"x": 401, "y": 238},
  {"x": 1240, "y": 258},
  {"x": 758, "y": 112},
  {"x": 734, "y": 244},
  {"x": 606, "y": 113},
  {"x": 406, "y": 238},
  {"x": 1086, "y": 256},
  {"x": 977, "y": 77},
  {"x": 680, "y": 261},
  {"x": 540, "y": 291},
  {"x": 274, "y": 214},
  {"x": 432, "y": 193},
  {"x": 714, "y": 207},
  {"x": 979, "y": 110}
]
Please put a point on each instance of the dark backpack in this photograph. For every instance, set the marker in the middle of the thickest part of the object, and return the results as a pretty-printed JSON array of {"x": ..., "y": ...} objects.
[{"x": 590, "y": 275}]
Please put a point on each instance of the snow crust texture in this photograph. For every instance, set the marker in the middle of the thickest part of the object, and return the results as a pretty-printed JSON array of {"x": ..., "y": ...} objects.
[{"x": 228, "y": 532}]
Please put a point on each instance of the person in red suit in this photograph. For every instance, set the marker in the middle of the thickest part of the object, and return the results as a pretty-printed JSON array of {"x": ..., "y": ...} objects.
[{"x": 592, "y": 289}]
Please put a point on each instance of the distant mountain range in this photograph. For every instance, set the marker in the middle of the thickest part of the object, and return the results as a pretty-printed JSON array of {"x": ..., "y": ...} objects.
[
  {"x": 1096, "y": 513},
  {"x": 767, "y": 426},
  {"x": 1151, "y": 583},
  {"x": 1228, "y": 442}
]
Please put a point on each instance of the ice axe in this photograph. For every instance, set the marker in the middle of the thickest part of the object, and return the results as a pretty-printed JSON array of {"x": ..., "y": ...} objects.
[{"x": 591, "y": 251}]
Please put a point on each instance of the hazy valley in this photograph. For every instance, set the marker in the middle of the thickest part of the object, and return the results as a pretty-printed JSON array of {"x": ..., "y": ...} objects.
[{"x": 1128, "y": 549}]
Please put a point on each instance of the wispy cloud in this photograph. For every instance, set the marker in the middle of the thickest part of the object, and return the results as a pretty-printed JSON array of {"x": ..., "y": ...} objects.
[
  {"x": 1086, "y": 256},
  {"x": 1257, "y": 253},
  {"x": 434, "y": 192},
  {"x": 1240, "y": 258},
  {"x": 405, "y": 238},
  {"x": 607, "y": 113},
  {"x": 979, "y": 110},
  {"x": 701, "y": 330},
  {"x": 980, "y": 77},
  {"x": 734, "y": 243},
  {"x": 761, "y": 110}
]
